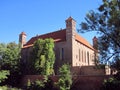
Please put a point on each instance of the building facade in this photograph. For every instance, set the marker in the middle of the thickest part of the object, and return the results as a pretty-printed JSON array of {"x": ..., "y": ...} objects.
[{"x": 69, "y": 48}]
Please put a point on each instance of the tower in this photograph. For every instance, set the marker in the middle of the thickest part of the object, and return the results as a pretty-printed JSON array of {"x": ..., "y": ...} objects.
[{"x": 22, "y": 38}]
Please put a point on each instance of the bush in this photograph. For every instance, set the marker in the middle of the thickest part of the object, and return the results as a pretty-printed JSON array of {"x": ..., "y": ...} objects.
[
  {"x": 36, "y": 85},
  {"x": 41, "y": 85},
  {"x": 65, "y": 79},
  {"x": 4, "y": 75},
  {"x": 117, "y": 76},
  {"x": 8, "y": 88},
  {"x": 111, "y": 84}
]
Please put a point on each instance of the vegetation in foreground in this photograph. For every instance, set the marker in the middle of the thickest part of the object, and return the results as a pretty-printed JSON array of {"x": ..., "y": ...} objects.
[
  {"x": 105, "y": 21},
  {"x": 11, "y": 69}
]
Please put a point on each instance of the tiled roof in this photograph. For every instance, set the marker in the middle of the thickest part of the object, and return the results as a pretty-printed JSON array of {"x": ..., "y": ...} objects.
[
  {"x": 57, "y": 36},
  {"x": 83, "y": 41}
]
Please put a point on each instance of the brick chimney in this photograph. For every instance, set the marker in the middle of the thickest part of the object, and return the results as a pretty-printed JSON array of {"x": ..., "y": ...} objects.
[
  {"x": 70, "y": 28},
  {"x": 95, "y": 43},
  {"x": 22, "y": 38}
]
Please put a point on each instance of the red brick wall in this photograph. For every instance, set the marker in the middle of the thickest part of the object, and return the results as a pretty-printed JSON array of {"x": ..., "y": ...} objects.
[
  {"x": 88, "y": 82},
  {"x": 79, "y": 82}
]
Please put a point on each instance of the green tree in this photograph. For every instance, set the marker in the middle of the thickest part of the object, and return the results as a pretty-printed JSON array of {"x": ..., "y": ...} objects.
[
  {"x": 44, "y": 56},
  {"x": 106, "y": 22},
  {"x": 65, "y": 79},
  {"x": 10, "y": 57},
  {"x": 2, "y": 50},
  {"x": 10, "y": 60}
]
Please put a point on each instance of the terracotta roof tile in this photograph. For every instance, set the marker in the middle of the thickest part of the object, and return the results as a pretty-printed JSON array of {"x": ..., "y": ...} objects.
[
  {"x": 83, "y": 41},
  {"x": 58, "y": 36}
]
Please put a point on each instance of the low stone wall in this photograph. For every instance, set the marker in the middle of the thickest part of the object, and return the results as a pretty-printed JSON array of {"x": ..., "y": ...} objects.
[
  {"x": 84, "y": 82},
  {"x": 36, "y": 77},
  {"x": 90, "y": 70},
  {"x": 88, "y": 82}
]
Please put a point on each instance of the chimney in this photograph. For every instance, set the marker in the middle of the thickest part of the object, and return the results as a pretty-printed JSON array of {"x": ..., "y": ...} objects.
[
  {"x": 95, "y": 43},
  {"x": 22, "y": 38}
]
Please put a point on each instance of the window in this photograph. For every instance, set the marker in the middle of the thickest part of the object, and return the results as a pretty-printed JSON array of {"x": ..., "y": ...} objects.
[
  {"x": 88, "y": 57},
  {"x": 76, "y": 56},
  {"x": 76, "y": 64},
  {"x": 79, "y": 54},
  {"x": 82, "y": 56},
  {"x": 62, "y": 54},
  {"x": 85, "y": 57}
]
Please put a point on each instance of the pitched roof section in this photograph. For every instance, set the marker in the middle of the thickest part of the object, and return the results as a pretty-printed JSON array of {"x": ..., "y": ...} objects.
[
  {"x": 57, "y": 36},
  {"x": 83, "y": 41}
]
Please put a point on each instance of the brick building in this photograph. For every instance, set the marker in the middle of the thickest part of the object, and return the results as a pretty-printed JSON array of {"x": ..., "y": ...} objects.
[{"x": 70, "y": 47}]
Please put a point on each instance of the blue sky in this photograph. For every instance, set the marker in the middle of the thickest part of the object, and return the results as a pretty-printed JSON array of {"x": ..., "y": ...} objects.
[{"x": 41, "y": 16}]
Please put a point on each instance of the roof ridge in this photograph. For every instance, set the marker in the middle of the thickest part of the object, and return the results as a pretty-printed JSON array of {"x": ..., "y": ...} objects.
[
  {"x": 48, "y": 33},
  {"x": 58, "y": 36}
]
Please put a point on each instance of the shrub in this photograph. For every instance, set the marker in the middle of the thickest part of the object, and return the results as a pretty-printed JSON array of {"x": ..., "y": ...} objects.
[
  {"x": 111, "y": 84},
  {"x": 36, "y": 85},
  {"x": 8, "y": 88},
  {"x": 3, "y": 75},
  {"x": 65, "y": 80}
]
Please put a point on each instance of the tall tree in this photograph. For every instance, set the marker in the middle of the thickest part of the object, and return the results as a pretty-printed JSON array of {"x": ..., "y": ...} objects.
[
  {"x": 44, "y": 56},
  {"x": 2, "y": 50},
  {"x": 10, "y": 60},
  {"x": 10, "y": 56},
  {"x": 106, "y": 22}
]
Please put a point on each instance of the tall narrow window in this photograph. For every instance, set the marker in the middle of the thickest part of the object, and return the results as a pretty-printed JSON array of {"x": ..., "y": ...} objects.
[
  {"x": 88, "y": 57},
  {"x": 79, "y": 54},
  {"x": 62, "y": 54},
  {"x": 85, "y": 57},
  {"x": 82, "y": 56}
]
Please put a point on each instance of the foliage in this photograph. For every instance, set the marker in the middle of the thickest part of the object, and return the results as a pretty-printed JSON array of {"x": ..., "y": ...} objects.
[
  {"x": 40, "y": 85},
  {"x": 10, "y": 55},
  {"x": 36, "y": 85},
  {"x": 2, "y": 49},
  {"x": 65, "y": 80},
  {"x": 111, "y": 84},
  {"x": 10, "y": 60},
  {"x": 8, "y": 88},
  {"x": 106, "y": 22},
  {"x": 44, "y": 56},
  {"x": 3, "y": 75},
  {"x": 116, "y": 64}
]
